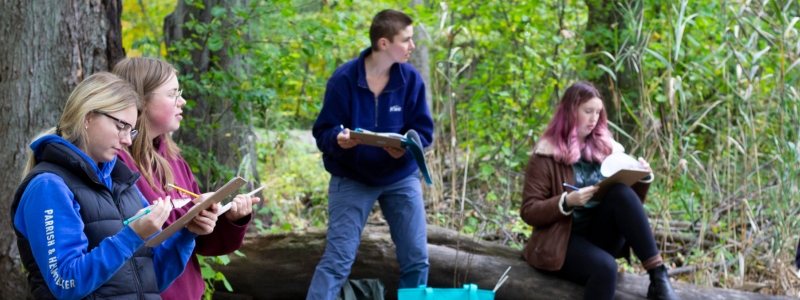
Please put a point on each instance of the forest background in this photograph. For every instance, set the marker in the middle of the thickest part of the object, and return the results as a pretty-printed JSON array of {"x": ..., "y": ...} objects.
[{"x": 704, "y": 90}]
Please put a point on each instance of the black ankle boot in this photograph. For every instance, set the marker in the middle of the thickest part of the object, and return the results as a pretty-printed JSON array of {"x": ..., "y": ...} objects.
[{"x": 660, "y": 288}]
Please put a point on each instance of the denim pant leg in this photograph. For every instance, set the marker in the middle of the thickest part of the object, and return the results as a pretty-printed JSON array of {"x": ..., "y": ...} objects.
[
  {"x": 403, "y": 207},
  {"x": 349, "y": 206}
]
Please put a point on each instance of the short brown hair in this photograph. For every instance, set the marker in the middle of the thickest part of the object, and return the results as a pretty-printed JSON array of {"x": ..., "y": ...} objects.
[{"x": 387, "y": 24}]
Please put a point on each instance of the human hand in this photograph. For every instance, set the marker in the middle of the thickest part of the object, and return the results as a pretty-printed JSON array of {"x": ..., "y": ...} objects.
[
  {"x": 645, "y": 165},
  {"x": 344, "y": 140},
  {"x": 205, "y": 221},
  {"x": 241, "y": 205},
  {"x": 202, "y": 197},
  {"x": 580, "y": 197},
  {"x": 395, "y": 152},
  {"x": 150, "y": 223}
]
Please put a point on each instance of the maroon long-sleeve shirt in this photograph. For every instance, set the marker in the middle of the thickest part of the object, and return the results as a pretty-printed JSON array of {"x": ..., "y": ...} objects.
[{"x": 226, "y": 238}]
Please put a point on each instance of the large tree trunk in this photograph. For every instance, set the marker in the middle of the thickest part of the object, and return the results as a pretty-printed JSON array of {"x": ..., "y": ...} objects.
[
  {"x": 419, "y": 57},
  {"x": 227, "y": 141},
  {"x": 281, "y": 266},
  {"x": 47, "y": 48}
]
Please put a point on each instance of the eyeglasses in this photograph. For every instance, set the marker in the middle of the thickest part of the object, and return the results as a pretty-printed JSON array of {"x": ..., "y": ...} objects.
[
  {"x": 127, "y": 128},
  {"x": 176, "y": 95}
]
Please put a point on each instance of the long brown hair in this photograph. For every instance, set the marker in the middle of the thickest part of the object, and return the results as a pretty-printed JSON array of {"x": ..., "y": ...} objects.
[{"x": 146, "y": 75}]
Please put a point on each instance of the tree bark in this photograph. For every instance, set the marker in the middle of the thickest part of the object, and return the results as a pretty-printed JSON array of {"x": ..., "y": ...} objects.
[
  {"x": 281, "y": 266},
  {"x": 419, "y": 57},
  {"x": 47, "y": 48},
  {"x": 223, "y": 141}
]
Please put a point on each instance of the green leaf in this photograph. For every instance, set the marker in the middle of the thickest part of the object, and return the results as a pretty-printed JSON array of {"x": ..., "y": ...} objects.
[
  {"x": 215, "y": 42},
  {"x": 227, "y": 284},
  {"x": 608, "y": 71},
  {"x": 487, "y": 169},
  {"x": 218, "y": 11},
  {"x": 223, "y": 259},
  {"x": 207, "y": 272}
]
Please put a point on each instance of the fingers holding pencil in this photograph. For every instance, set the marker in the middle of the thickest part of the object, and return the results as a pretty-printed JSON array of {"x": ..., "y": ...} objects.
[{"x": 149, "y": 223}]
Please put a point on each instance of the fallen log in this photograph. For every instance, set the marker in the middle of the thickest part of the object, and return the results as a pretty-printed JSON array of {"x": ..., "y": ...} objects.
[{"x": 280, "y": 267}]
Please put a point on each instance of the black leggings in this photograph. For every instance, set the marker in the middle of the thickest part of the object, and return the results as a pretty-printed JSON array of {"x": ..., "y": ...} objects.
[{"x": 590, "y": 259}]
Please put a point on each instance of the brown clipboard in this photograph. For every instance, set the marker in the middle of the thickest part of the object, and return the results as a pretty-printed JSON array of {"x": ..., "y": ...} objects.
[
  {"x": 377, "y": 139},
  {"x": 223, "y": 192},
  {"x": 625, "y": 176}
]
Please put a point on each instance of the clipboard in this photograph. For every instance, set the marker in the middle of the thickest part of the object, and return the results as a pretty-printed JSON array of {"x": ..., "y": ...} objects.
[
  {"x": 410, "y": 141},
  {"x": 223, "y": 192},
  {"x": 378, "y": 139},
  {"x": 625, "y": 176}
]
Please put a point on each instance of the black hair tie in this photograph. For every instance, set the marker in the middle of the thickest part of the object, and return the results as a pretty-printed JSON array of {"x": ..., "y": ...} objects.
[{"x": 58, "y": 130}]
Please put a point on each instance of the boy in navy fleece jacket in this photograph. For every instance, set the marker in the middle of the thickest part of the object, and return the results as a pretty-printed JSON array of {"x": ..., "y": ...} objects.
[{"x": 379, "y": 92}]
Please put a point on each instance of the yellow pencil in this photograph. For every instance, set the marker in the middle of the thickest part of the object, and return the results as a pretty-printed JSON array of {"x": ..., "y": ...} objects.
[{"x": 183, "y": 190}]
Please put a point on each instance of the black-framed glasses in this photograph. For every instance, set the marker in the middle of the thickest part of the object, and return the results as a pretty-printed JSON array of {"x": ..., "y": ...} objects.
[
  {"x": 127, "y": 128},
  {"x": 176, "y": 95}
]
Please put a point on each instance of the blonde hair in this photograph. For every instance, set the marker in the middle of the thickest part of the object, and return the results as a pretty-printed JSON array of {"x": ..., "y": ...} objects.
[
  {"x": 102, "y": 91},
  {"x": 146, "y": 75}
]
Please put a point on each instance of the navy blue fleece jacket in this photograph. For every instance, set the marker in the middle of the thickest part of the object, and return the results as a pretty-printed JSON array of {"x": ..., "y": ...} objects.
[{"x": 349, "y": 103}]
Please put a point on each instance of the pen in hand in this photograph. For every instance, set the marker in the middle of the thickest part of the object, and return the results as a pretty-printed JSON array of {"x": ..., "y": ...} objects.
[
  {"x": 136, "y": 217},
  {"x": 570, "y": 186}
]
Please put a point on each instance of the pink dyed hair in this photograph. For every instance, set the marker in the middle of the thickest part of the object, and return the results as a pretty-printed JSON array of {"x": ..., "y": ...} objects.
[{"x": 562, "y": 131}]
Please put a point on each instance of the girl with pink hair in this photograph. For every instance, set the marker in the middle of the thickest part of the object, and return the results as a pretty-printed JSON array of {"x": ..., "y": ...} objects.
[{"x": 575, "y": 237}]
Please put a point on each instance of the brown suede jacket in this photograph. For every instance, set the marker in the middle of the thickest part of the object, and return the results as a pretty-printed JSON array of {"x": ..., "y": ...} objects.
[{"x": 541, "y": 199}]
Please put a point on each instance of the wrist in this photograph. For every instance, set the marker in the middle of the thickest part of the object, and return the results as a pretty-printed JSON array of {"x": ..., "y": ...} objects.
[
  {"x": 562, "y": 205},
  {"x": 567, "y": 203}
]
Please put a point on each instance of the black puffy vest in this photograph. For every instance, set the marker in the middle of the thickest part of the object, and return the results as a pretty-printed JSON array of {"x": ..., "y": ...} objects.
[{"x": 102, "y": 212}]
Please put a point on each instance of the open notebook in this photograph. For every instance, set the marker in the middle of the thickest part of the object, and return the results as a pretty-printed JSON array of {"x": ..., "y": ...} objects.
[{"x": 619, "y": 168}]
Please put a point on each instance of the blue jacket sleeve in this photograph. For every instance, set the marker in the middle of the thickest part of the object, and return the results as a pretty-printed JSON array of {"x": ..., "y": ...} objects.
[
  {"x": 48, "y": 216},
  {"x": 418, "y": 114},
  {"x": 170, "y": 258},
  {"x": 335, "y": 113}
]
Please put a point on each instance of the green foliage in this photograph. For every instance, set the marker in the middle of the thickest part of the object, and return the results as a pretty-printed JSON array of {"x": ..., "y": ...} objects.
[
  {"x": 210, "y": 276},
  {"x": 141, "y": 27},
  {"x": 298, "y": 194},
  {"x": 301, "y": 47}
]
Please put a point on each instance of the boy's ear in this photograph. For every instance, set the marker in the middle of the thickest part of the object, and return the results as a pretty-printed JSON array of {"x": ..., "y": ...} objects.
[{"x": 383, "y": 43}]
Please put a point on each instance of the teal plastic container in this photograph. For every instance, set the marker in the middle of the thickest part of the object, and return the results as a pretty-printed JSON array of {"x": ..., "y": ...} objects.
[{"x": 468, "y": 292}]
